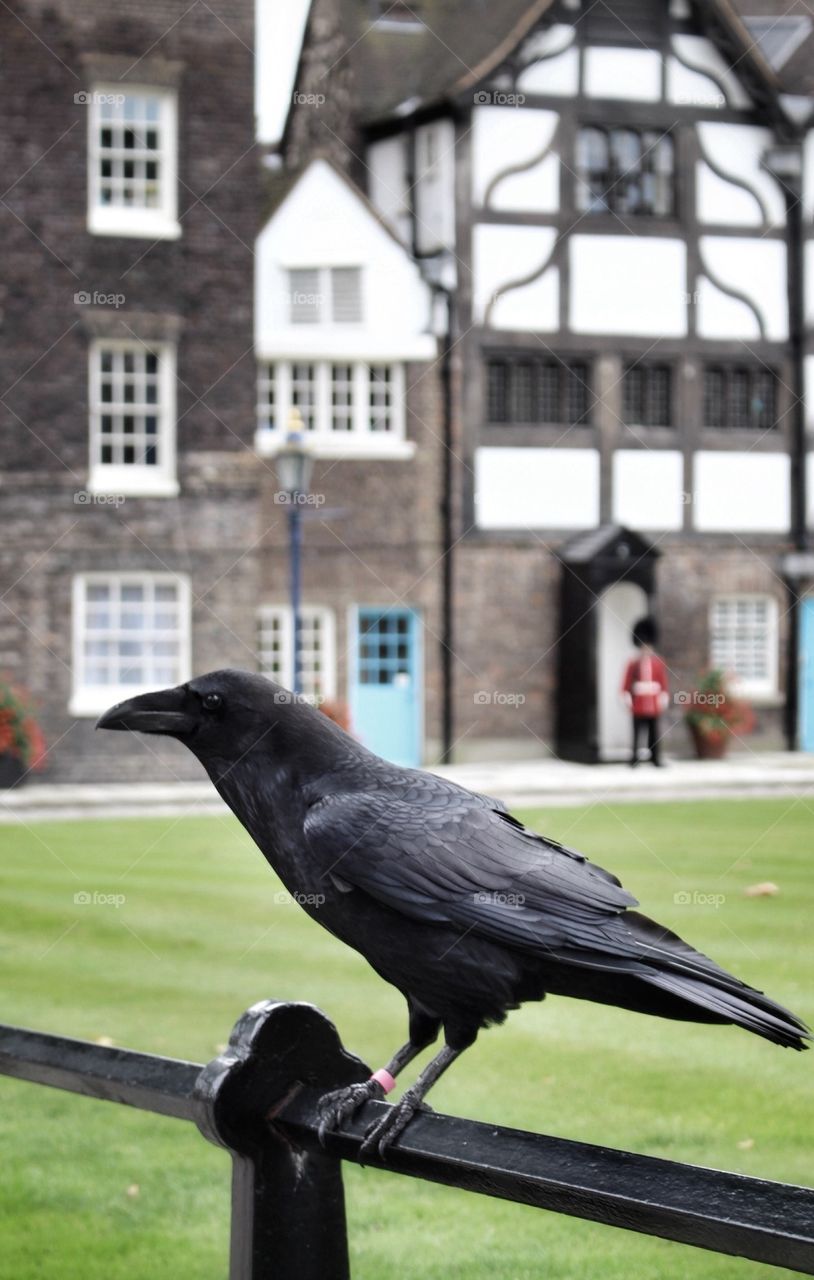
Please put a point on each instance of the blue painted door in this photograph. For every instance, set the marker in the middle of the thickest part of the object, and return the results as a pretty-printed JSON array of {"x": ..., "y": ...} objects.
[
  {"x": 386, "y": 693},
  {"x": 806, "y": 718}
]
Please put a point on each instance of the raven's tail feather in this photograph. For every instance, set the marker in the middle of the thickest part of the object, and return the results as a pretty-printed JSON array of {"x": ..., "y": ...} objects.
[
  {"x": 746, "y": 1008},
  {"x": 674, "y": 966}
]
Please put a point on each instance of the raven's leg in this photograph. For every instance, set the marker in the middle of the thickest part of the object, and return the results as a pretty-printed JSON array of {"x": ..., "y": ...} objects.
[
  {"x": 385, "y": 1131},
  {"x": 337, "y": 1107}
]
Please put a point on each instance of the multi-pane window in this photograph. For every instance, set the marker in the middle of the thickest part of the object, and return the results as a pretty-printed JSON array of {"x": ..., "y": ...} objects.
[
  {"x": 380, "y": 397},
  {"x": 131, "y": 633},
  {"x": 275, "y": 648},
  {"x": 647, "y": 395},
  {"x": 538, "y": 391},
  {"x": 132, "y": 161},
  {"x": 385, "y": 645},
  {"x": 743, "y": 640},
  {"x": 625, "y": 171},
  {"x": 325, "y": 295},
  {"x": 131, "y": 410},
  {"x": 304, "y": 393},
  {"x": 740, "y": 397},
  {"x": 341, "y": 397},
  {"x": 334, "y": 398}
]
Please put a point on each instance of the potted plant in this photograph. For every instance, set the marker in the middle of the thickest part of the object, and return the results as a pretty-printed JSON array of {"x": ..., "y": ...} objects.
[
  {"x": 22, "y": 746},
  {"x": 714, "y": 713}
]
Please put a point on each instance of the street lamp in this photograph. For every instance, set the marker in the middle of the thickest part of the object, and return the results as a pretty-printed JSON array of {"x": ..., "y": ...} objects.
[{"x": 294, "y": 464}]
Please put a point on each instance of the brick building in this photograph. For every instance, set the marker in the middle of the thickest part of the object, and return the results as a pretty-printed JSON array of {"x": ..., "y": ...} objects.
[
  {"x": 523, "y": 275},
  {"x": 129, "y": 489}
]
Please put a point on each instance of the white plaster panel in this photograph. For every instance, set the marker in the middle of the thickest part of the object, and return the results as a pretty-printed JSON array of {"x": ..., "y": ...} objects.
[
  {"x": 741, "y": 492},
  {"x": 507, "y": 136},
  {"x": 536, "y": 488},
  {"x": 720, "y": 316},
  {"x": 387, "y": 168},
  {"x": 557, "y": 75},
  {"x": 757, "y": 269},
  {"x": 737, "y": 150},
  {"x": 628, "y": 284},
  {"x": 502, "y": 254},
  {"x": 648, "y": 488},
  {"x": 547, "y": 41},
  {"x": 808, "y": 390},
  {"x": 810, "y": 489},
  {"x": 722, "y": 202},
  {"x": 535, "y": 190},
  {"x": 703, "y": 56},
  {"x": 324, "y": 223},
  {"x": 630, "y": 74},
  {"x": 808, "y": 280},
  {"x": 688, "y": 88},
  {"x": 808, "y": 174},
  {"x": 533, "y": 307}
]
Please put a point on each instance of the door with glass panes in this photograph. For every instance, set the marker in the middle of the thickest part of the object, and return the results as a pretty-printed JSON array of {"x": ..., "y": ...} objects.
[{"x": 386, "y": 684}]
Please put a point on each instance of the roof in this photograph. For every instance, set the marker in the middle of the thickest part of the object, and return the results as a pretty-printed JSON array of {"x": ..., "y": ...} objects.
[
  {"x": 455, "y": 43},
  {"x": 446, "y": 46},
  {"x": 607, "y": 540}
]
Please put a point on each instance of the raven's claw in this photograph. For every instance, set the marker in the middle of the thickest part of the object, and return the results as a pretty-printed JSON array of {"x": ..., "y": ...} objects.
[
  {"x": 337, "y": 1107},
  {"x": 383, "y": 1133}
]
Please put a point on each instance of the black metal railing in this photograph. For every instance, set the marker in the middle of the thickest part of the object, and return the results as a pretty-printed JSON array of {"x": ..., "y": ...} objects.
[{"x": 258, "y": 1099}]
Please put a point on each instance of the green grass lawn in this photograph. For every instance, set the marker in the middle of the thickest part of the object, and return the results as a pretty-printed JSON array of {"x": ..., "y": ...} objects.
[{"x": 90, "y": 1191}]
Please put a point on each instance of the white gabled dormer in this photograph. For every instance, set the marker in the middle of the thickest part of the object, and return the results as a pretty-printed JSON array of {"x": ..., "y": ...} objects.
[{"x": 340, "y": 308}]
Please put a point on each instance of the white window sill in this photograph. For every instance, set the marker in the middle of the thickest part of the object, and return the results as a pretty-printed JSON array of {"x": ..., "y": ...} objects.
[
  {"x": 142, "y": 224},
  {"x": 759, "y": 697},
  {"x": 93, "y": 701},
  {"x": 370, "y": 446},
  {"x": 129, "y": 482}
]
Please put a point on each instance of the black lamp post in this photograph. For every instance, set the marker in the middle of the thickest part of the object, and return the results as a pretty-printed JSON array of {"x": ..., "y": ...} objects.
[{"x": 294, "y": 464}]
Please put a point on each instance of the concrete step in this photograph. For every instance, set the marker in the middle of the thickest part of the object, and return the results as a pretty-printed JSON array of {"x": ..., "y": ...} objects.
[{"x": 544, "y": 783}]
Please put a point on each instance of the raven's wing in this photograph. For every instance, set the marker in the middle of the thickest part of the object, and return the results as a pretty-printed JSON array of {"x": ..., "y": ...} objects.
[
  {"x": 445, "y": 856},
  {"x": 452, "y": 858}
]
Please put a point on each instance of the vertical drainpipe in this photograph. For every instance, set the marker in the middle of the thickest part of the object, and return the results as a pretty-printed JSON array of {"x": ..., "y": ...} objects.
[
  {"x": 784, "y": 162},
  {"x": 794, "y": 238},
  {"x": 431, "y": 265},
  {"x": 447, "y": 538}
]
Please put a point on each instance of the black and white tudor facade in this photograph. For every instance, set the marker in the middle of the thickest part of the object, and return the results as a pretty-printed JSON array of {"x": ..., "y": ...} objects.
[{"x": 617, "y": 202}]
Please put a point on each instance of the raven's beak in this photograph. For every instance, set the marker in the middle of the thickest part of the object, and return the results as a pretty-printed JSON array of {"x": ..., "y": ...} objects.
[{"x": 163, "y": 712}]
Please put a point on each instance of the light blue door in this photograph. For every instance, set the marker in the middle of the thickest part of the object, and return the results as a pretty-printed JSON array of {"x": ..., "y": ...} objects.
[
  {"x": 386, "y": 694},
  {"x": 806, "y": 729}
]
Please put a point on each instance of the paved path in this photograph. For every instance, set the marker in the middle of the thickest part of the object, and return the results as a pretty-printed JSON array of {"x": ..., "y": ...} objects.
[{"x": 545, "y": 783}]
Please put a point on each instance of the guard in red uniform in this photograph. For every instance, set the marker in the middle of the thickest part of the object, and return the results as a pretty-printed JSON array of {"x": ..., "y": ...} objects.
[{"x": 645, "y": 690}]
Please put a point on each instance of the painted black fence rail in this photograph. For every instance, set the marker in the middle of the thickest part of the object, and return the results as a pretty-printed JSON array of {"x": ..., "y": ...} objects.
[{"x": 288, "y": 1216}]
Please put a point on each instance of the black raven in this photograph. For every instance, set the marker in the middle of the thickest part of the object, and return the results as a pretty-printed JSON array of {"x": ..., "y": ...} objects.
[{"x": 450, "y": 898}]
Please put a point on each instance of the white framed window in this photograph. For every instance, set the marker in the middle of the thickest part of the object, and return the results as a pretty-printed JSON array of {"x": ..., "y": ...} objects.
[
  {"x": 131, "y": 633},
  {"x": 352, "y": 408},
  {"x": 132, "y": 162},
  {"x": 744, "y": 642},
  {"x": 132, "y": 418},
  {"x": 275, "y": 648},
  {"x": 325, "y": 295}
]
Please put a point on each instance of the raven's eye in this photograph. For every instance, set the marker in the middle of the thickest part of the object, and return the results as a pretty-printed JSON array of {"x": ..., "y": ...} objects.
[{"x": 212, "y": 702}]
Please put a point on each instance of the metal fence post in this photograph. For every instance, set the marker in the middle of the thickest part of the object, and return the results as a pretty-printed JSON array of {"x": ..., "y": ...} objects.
[{"x": 288, "y": 1205}]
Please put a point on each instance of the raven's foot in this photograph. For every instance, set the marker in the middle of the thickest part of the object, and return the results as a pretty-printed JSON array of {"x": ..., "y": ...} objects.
[
  {"x": 337, "y": 1107},
  {"x": 383, "y": 1133}
]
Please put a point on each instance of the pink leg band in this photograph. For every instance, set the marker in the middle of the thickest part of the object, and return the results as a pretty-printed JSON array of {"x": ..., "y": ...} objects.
[{"x": 385, "y": 1079}]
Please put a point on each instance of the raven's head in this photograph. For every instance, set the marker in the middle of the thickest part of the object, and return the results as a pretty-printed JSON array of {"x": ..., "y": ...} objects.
[{"x": 226, "y": 715}]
